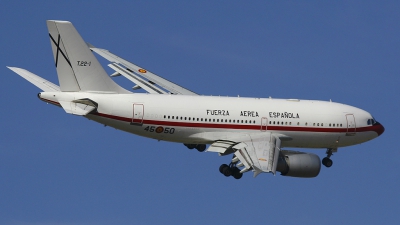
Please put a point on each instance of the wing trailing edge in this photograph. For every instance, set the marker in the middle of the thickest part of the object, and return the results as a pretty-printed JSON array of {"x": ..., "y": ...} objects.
[{"x": 152, "y": 83}]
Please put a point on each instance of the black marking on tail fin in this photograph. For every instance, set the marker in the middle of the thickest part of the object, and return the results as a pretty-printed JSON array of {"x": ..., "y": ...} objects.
[{"x": 59, "y": 50}]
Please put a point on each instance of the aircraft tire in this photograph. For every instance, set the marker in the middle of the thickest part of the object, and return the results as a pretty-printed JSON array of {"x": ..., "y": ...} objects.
[
  {"x": 201, "y": 147},
  {"x": 327, "y": 162},
  {"x": 236, "y": 173},
  {"x": 221, "y": 168},
  {"x": 227, "y": 171}
]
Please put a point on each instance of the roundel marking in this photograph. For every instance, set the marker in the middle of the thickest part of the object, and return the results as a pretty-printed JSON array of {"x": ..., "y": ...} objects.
[
  {"x": 159, "y": 129},
  {"x": 142, "y": 70}
]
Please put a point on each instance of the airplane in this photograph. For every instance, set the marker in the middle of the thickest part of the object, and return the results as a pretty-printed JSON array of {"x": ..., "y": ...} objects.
[{"x": 254, "y": 130}]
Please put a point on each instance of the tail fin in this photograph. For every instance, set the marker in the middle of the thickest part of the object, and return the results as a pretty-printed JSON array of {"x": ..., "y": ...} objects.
[{"x": 77, "y": 67}]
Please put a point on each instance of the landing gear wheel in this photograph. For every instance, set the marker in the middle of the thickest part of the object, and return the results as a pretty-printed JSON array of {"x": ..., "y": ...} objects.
[
  {"x": 191, "y": 146},
  {"x": 221, "y": 168},
  {"x": 236, "y": 173},
  {"x": 201, "y": 147},
  {"x": 227, "y": 171},
  {"x": 327, "y": 162}
]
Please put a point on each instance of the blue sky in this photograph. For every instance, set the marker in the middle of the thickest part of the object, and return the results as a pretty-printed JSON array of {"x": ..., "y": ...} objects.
[{"x": 57, "y": 168}]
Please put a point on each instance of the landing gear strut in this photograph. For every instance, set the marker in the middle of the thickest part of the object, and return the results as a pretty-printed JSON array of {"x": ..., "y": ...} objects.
[{"x": 327, "y": 161}]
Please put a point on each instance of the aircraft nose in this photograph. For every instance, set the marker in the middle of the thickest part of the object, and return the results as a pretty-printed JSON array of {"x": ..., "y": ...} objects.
[{"x": 379, "y": 129}]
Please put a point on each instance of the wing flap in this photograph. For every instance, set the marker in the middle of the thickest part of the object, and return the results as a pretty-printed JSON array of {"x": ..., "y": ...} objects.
[
  {"x": 257, "y": 152},
  {"x": 220, "y": 146},
  {"x": 149, "y": 87}
]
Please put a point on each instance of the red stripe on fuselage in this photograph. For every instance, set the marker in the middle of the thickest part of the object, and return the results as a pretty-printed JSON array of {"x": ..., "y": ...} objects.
[
  {"x": 375, "y": 128},
  {"x": 378, "y": 128}
]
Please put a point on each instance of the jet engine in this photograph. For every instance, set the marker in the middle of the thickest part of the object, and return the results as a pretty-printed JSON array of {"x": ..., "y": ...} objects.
[{"x": 298, "y": 164}]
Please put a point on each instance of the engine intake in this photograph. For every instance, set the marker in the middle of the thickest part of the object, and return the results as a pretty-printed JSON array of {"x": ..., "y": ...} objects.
[{"x": 298, "y": 164}]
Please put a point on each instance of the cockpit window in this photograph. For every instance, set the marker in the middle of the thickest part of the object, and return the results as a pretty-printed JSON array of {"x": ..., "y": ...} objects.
[{"x": 371, "y": 121}]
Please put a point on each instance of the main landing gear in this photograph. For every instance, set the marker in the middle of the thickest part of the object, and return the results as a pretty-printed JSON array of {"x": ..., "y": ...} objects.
[
  {"x": 199, "y": 147},
  {"x": 327, "y": 161},
  {"x": 230, "y": 170}
]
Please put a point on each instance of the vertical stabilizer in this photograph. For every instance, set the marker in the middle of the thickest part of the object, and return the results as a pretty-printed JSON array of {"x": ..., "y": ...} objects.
[{"x": 77, "y": 67}]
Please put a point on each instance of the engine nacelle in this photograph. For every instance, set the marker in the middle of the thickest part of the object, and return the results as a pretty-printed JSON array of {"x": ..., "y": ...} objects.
[{"x": 298, "y": 164}]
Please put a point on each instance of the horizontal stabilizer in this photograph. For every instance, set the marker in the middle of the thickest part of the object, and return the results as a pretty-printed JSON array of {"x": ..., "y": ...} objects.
[{"x": 39, "y": 82}]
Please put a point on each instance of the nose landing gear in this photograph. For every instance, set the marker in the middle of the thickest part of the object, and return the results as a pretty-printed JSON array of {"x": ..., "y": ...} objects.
[{"x": 327, "y": 162}]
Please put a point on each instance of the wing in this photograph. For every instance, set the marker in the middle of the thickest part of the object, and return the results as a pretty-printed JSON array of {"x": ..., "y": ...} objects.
[
  {"x": 39, "y": 82},
  {"x": 145, "y": 79},
  {"x": 256, "y": 152}
]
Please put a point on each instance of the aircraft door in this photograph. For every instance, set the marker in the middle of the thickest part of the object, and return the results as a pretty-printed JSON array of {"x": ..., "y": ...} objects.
[
  {"x": 351, "y": 125},
  {"x": 138, "y": 113},
  {"x": 264, "y": 122}
]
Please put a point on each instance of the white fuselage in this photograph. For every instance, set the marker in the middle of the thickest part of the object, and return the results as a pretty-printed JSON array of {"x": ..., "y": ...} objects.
[{"x": 205, "y": 119}]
